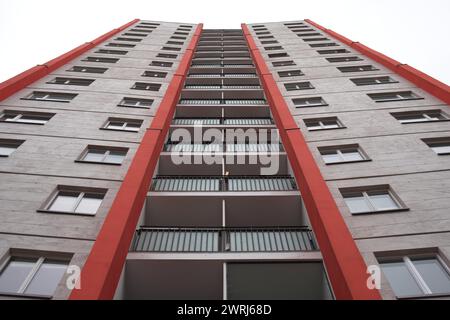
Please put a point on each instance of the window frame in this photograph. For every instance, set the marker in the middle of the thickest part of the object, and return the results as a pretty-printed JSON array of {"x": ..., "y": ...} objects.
[
  {"x": 40, "y": 258},
  {"x": 426, "y": 114},
  {"x": 364, "y": 190},
  {"x": 339, "y": 148},
  {"x": 124, "y": 125},
  {"x": 432, "y": 141},
  {"x": 413, "y": 97},
  {"x": 376, "y": 79},
  {"x": 107, "y": 151},
  {"x": 46, "y": 94},
  {"x": 308, "y": 105},
  {"x": 87, "y": 82},
  {"x": 408, "y": 258},
  {"x": 322, "y": 125},
  {"x": 19, "y": 114},
  {"x": 138, "y": 105},
  {"x": 82, "y": 192}
]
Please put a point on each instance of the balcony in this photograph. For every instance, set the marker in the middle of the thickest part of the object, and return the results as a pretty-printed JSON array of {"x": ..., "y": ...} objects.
[{"x": 148, "y": 239}]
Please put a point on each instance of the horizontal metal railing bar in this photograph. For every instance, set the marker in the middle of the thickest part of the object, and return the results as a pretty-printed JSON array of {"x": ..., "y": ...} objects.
[
  {"x": 256, "y": 239},
  {"x": 223, "y": 101},
  {"x": 223, "y": 147}
]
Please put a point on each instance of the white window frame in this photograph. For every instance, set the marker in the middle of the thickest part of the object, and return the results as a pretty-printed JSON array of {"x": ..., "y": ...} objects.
[
  {"x": 341, "y": 155},
  {"x": 81, "y": 195},
  {"x": 306, "y": 103},
  {"x": 324, "y": 126},
  {"x": 370, "y": 204},
  {"x": 40, "y": 260},
  {"x": 18, "y": 116},
  {"x": 106, "y": 153},
  {"x": 420, "y": 281},
  {"x": 124, "y": 126},
  {"x": 425, "y": 117}
]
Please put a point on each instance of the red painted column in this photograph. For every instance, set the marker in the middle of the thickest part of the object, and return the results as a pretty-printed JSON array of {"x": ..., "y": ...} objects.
[
  {"x": 102, "y": 270},
  {"x": 425, "y": 82},
  {"x": 11, "y": 86},
  {"x": 344, "y": 264}
]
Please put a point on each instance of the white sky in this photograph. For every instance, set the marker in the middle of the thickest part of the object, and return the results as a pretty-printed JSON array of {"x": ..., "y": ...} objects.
[{"x": 415, "y": 32}]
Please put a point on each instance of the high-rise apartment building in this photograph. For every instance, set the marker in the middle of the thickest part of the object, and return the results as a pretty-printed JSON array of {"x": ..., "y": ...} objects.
[{"x": 276, "y": 161}]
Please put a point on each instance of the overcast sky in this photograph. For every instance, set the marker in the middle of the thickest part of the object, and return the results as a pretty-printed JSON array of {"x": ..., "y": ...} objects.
[{"x": 415, "y": 32}]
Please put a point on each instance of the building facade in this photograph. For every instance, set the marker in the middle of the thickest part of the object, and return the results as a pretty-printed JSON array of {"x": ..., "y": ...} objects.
[{"x": 275, "y": 161}]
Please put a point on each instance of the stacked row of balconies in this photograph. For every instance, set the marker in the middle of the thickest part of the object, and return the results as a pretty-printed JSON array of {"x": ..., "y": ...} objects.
[{"x": 207, "y": 220}]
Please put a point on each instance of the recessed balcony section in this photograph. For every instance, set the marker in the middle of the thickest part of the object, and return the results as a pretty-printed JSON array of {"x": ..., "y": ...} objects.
[
  {"x": 221, "y": 63},
  {"x": 214, "y": 158},
  {"x": 228, "y": 103},
  {"x": 296, "y": 275},
  {"x": 210, "y": 201}
]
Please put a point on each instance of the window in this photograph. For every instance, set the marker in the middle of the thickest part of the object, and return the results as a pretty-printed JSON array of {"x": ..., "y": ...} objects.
[
  {"x": 394, "y": 96},
  {"x": 71, "y": 81},
  {"x": 136, "y": 102},
  {"x": 132, "y": 34},
  {"x": 420, "y": 116},
  {"x": 107, "y": 51},
  {"x": 51, "y": 96},
  {"x": 343, "y": 154},
  {"x": 154, "y": 24},
  {"x": 336, "y": 51},
  {"x": 161, "y": 64},
  {"x": 309, "y": 102},
  {"x": 177, "y": 43},
  {"x": 128, "y": 39},
  {"x": 266, "y": 37},
  {"x": 417, "y": 275},
  {"x": 154, "y": 74},
  {"x": 309, "y": 34},
  {"x": 371, "y": 199},
  {"x": 131, "y": 125},
  {"x": 274, "y": 48},
  {"x": 323, "y": 124},
  {"x": 167, "y": 55},
  {"x": 293, "y": 24},
  {"x": 344, "y": 59},
  {"x": 439, "y": 145},
  {"x": 171, "y": 49},
  {"x": 104, "y": 155},
  {"x": 290, "y": 73},
  {"x": 87, "y": 69},
  {"x": 278, "y": 55},
  {"x": 100, "y": 60},
  {"x": 357, "y": 69},
  {"x": 25, "y": 117},
  {"x": 262, "y": 32},
  {"x": 315, "y": 39},
  {"x": 320, "y": 45},
  {"x": 121, "y": 45},
  {"x": 32, "y": 276},
  {"x": 298, "y": 86},
  {"x": 150, "y": 28},
  {"x": 75, "y": 200},
  {"x": 178, "y": 37},
  {"x": 269, "y": 42},
  {"x": 283, "y": 63},
  {"x": 373, "y": 81},
  {"x": 141, "y": 30},
  {"x": 181, "y": 33},
  {"x": 146, "y": 86},
  {"x": 8, "y": 146}
]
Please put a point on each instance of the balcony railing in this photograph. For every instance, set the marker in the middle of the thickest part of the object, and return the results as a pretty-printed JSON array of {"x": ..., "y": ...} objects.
[
  {"x": 228, "y": 147},
  {"x": 211, "y": 240},
  {"x": 219, "y": 183},
  {"x": 239, "y": 102},
  {"x": 219, "y": 86},
  {"x": 222, "y": 75},
  {"x": 223, "y": 121}
]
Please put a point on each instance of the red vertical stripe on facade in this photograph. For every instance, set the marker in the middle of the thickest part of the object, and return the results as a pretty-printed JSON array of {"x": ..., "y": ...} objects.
[
  {"x": 102, "y": 270},
  {"x": 343, "y": 261},
  {"x": 432, "y": 86},
  {"x": 11, "y": 86}
]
